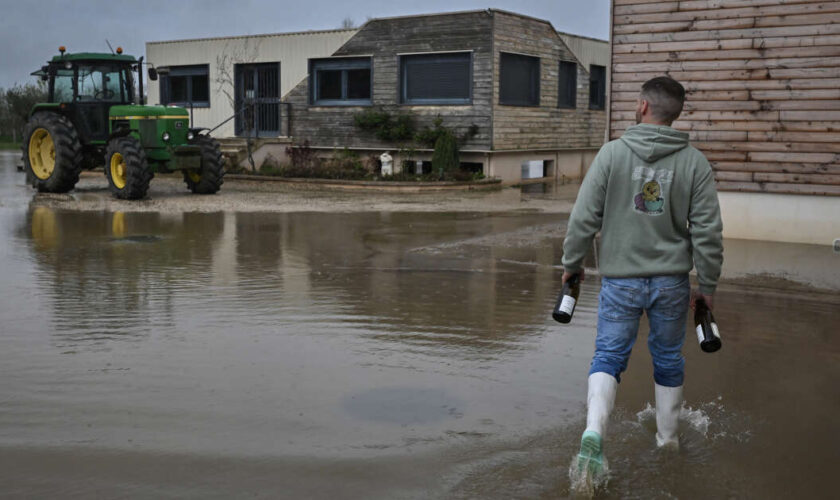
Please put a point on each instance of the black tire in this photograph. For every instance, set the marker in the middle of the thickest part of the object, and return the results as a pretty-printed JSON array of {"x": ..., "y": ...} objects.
[
  {"x": 211, "y": 177},
  {"x": 129, "y": 173},
  {"x": 62, "y": 173}
]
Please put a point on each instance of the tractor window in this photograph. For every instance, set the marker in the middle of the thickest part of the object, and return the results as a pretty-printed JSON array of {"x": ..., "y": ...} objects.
[
  {"x": 100, "y": 84},
  {"x": 63, "y": 89}
]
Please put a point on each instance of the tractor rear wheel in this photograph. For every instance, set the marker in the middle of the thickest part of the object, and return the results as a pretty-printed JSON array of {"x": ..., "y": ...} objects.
[
  {"x": 52, "y": 153},
  {"x": 127, "y": 168},
  {"x": 209, "y": 178}
]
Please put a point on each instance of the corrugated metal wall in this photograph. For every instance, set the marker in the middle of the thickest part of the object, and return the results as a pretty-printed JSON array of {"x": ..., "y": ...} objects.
[
  {"x": 291, "y": 50},
  {"x": 587, "y": 50}
]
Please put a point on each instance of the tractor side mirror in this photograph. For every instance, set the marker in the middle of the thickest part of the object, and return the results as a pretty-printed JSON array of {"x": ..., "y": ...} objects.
[{"x": 153, "y": 74}]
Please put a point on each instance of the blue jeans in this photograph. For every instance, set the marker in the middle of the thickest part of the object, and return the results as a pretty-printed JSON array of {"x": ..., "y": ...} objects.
[{"x": 620, "y": 306}]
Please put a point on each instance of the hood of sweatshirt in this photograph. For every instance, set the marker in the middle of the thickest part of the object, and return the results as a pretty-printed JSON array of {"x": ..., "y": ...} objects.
[{"x": 652, "y": 142}]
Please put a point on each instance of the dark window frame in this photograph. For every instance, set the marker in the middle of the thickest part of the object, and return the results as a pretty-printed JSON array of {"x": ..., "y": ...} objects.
[
  {"x": 537, "y": 82},
  {"x": 597, "y": 87},
  {"x": 343, "y": 64},
  {"x": 404, "y": 59},
  {"x": 570, "y": 100},
  {"x": 188, "y": 72}
]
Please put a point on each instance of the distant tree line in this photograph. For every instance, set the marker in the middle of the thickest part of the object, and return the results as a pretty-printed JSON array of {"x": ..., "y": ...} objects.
[{"x": 15, "y": 105}]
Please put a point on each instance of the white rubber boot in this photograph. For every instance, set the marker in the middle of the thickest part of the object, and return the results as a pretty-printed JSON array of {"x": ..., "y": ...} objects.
[
  {"x": 668, "y": 403},
  {"x": 602, "y": 387},
  {"x": 599, "y": 402}
]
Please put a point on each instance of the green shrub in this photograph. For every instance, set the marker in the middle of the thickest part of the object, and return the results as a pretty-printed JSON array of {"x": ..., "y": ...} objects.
[
  {"x": 385, "y": 126},
  {"x": 270, "y": 166},
  {"x": 445, "y": 159},
  {"x": 345, "y": 164}
]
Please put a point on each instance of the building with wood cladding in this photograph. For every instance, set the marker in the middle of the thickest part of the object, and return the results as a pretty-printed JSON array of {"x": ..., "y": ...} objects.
[
  {"x": 520, "y": 87},
  {"x": 763, "y": 102},
  {"x": 510, "y": 78}
]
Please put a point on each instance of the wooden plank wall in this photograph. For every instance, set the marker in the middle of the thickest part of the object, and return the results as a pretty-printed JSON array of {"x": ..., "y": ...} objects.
[
  {"x": 545, "y": 126},
  {"x": 385, "y": 39},
  {"x": 763, "y": 83}
]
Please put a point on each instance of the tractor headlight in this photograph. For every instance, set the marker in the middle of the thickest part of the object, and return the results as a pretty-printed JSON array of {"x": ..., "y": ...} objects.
[
  {"x": 165, "y": 137},
  {"x": 190, "y": 136}
]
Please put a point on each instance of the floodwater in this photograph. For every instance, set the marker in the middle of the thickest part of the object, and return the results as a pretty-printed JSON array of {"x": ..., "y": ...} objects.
[{"x": 377, "y": 355}]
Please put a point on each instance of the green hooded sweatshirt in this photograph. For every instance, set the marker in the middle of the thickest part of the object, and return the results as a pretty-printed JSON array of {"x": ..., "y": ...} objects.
[{"x": 653, "y": 198}]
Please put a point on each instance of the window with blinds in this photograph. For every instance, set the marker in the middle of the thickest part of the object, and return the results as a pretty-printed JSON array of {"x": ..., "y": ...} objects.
[
  {"x": 567, "y": 95},
  {"x": 436, "y": 78},
  {"x": 519, "y": 80}
]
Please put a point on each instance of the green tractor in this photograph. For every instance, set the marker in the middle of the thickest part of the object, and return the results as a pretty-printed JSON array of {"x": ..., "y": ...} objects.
[{"x": 93, "y": 117}]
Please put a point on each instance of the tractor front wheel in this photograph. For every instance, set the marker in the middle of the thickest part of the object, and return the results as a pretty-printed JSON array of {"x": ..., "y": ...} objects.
[
  {"x": 127, "y": 169},
  {"x": 52, "y": 153},
  {"x": 209, "y": 178}
]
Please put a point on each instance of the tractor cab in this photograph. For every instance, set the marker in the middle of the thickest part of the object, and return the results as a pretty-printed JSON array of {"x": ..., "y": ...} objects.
[{"x": 86, "y": 85}]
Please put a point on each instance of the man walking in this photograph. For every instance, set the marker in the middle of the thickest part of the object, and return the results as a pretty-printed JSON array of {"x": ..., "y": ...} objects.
[{"x": 652, "y": 196}]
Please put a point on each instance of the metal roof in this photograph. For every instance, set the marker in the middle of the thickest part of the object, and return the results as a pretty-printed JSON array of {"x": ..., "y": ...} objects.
[
  {"x": 291, "y": 33},
  {"x": 93, "y": 56}
]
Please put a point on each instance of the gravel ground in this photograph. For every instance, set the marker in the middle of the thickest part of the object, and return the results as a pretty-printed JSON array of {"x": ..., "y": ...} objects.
[{"x": 169, "y": 194}]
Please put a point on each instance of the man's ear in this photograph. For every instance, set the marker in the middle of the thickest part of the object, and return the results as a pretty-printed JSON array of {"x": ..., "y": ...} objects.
[{"x": 644, "y": 107}]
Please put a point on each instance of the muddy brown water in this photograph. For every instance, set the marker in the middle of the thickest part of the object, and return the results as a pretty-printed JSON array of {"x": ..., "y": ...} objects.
[{"x": 375, "y": 355}]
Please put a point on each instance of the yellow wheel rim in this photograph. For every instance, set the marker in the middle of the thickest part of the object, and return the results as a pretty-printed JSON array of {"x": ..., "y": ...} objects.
[
  {"x": 195, "y": 176},
  {"x": 118, "y": 170},
  {"x": 41, "y": 153}
]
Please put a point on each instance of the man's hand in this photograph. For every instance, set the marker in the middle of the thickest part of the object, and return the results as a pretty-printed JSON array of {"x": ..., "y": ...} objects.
[
  {"x": 710, "y": 299},
  {"x": 567, "y": 275}
]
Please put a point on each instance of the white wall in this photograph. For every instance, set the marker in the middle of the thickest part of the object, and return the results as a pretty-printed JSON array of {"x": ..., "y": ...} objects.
[
  {"x": 291, "y": 50},
  {"x": 780, "y": 217}
]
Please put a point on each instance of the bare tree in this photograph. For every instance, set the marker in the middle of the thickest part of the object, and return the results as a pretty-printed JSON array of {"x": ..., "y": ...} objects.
[
  {"x": 225, "y": 78},
  {"x": 348, "y": 23},
  {"x": 16, "y": 104}
]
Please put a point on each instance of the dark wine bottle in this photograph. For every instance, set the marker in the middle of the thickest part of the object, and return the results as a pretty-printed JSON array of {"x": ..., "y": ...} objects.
[
  {"x": 707, "y": 330},
  {"x": 565, "y": 306}
]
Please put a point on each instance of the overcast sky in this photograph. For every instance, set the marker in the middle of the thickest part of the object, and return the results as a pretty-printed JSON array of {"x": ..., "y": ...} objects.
[{"x": 30, "y": 32}]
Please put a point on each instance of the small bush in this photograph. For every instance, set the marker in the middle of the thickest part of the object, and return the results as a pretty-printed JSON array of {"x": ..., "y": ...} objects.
[
  {"x": 302, "y": 156},
  {"x": 373, "y": 164},
  {"x": 445, "y": 159},
  {"x": 270, "y": 166},
  {"x": 345, "y": 164}
]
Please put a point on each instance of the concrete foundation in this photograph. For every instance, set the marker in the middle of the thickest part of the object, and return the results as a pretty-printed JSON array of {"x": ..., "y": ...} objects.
[
  {"x": 562, "y": 165},
  {"x": 780, "y": 217}
]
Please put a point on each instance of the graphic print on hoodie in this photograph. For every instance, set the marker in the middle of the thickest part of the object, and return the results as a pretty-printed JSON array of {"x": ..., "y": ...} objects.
[{"x": 650, "y": 200}]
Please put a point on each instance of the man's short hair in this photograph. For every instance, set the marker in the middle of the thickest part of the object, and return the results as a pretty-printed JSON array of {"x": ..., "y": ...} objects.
[{"x": 665, "y": 96}]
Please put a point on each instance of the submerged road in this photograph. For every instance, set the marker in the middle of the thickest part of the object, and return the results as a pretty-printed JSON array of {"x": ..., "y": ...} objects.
[{"x": 285, "y": 342}]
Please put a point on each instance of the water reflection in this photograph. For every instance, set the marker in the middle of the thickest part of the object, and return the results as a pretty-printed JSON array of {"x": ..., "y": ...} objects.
[
  {"x": 420, "y": 279},
  {"x": 108, "y": 276}
]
